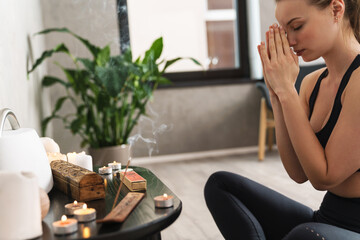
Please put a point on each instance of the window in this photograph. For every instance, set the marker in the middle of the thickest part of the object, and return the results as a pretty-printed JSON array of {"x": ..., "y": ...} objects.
[{"x": 211, "y": 31}]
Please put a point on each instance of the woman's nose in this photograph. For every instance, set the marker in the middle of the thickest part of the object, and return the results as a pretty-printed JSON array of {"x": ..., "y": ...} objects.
[{"x": 291, "y": 39}]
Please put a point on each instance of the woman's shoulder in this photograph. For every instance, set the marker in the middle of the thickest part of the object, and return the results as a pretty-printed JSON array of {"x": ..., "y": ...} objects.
[{"x": 309, "y": 81}]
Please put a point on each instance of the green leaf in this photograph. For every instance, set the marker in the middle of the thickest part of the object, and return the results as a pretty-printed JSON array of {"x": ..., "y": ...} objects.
[
  {"x": 154, "y": 51},
  {"x": 84, "y": 143},
  {"x": 88, "y": 64},
  {"x": 170, "y": 62},
  {"x": 103, "y": 100},
  {"x": 163, "y": 80},
  {"x": 46, "y": 54},
  {"x": 49, "y": 81},
  {"x": 196, "y": 62},
  {"x": 78, "y": 79},
  {"x": 112, "y": 78},
  {"x": 76, "y": 124},
  {"x": 103, "y": 56},
  {"x": 92, "y": 48},
  {"x": 128, "y": 55},
  {"x": 59, "y": 103}
]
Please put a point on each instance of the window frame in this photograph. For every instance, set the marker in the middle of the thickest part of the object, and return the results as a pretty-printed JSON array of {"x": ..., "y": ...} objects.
[{"x": 201, "y": 78}]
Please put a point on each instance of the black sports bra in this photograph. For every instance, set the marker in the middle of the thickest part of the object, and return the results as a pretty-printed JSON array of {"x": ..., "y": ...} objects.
[{"x": 324, "y": 134}]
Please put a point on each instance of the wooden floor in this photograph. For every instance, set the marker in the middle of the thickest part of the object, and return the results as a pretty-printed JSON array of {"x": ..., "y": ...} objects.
[{"x": 187, "y": 180}]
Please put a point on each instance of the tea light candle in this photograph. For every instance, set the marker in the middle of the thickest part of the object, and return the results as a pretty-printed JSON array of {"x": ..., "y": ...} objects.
[
  {"x": 81, "y": 159},
  {"x": 128, "y": 170},
  {"x": 164, "y": 201},
  {"x": 65, "y": 226},
  {"x": 85, "y": 214},
  {"x": 105, "y": 170},
  {"x": 115, "y": 165},
  {"x": 71, "y": 207}
]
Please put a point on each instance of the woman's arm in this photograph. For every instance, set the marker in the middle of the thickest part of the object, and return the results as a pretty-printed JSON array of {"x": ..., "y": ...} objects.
[
  {"x": 287, "y": 154},
  {"x": 324, "y": 168}
]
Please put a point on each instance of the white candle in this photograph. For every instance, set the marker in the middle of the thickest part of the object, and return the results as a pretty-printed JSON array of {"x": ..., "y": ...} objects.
[
  {"x": 164, "y": 201},
  {"x": 50, "y": 145},
  {"x": 71, "y": 207},
  {"x": 105, "y": 170},
  {"x": 115, "y": 165},
  {"x": 65, "y": 226},
  {"x": 81, "y": 159},
  {"x": 55, "y": 156},
  {"x": 85, "y": 214}
]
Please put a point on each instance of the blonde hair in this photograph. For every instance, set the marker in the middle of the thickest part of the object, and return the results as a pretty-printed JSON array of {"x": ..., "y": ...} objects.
[{"x": 352, "y": 12}]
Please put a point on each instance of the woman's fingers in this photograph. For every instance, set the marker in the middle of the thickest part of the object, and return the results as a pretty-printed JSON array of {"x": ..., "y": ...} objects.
[
  {"x": 267, "y": 41},
  {"x": 264, "y": 55},
  {"x": 285, "y": 41},
  {"x": 295, "y": 57},
  {"x": 272, "y": 47},
  {"x": 262, "y": 62},
  {"x": 278, "y": 42}
]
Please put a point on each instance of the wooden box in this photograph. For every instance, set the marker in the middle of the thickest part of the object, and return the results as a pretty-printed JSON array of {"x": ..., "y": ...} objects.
[{"x": 77, "y": 182}]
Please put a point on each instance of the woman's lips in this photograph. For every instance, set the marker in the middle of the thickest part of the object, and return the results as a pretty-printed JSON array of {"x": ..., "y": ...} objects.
[{"x": 299, "y": 53}]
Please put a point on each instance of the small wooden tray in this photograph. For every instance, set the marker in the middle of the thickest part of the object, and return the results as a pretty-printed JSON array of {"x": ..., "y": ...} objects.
[{"x": 123, "y": 209}]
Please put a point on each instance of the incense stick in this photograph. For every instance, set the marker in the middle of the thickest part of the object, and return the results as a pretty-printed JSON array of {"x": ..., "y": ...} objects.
[{"x": 122, "y": 180}]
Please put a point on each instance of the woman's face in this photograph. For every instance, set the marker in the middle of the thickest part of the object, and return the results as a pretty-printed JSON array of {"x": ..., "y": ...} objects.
[{"x": 310, "y": 31}]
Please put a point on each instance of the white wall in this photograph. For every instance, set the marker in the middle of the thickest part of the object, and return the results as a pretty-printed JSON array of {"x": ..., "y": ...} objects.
[{"x": 19, "y": 20}]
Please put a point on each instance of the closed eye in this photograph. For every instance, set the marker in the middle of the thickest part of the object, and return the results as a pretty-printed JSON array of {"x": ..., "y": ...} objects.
[{"x": 298, "y": 28}]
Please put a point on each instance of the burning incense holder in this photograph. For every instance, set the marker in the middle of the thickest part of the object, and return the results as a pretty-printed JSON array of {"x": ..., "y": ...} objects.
[
  {"x": 164, "y": 201},
  {"x": 65, "y": 226}
]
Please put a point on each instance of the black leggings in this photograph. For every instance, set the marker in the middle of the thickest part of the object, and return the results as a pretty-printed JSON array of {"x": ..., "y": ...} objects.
[{"x": 244, "y": 209}]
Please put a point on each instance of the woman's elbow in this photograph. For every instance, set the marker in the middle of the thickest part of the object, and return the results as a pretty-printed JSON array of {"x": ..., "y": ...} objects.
[
  {"x": 320, "y": 186},
  {"x": 299, "y": 178},
  {"x": 323, "y": 184}
]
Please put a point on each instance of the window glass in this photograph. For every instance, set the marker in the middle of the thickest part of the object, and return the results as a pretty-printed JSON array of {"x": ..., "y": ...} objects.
[{"x": 203, "y": 29}]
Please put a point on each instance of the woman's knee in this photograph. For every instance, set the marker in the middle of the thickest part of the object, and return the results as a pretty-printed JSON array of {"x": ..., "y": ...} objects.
[{"x": 212, "y": 183}]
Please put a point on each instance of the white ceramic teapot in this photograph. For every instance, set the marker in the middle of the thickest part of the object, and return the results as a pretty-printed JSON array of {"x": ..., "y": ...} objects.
[{"x": 22, "y": 150}]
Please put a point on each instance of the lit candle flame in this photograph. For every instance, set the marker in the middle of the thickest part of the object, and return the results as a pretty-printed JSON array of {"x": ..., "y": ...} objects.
[
  {"x": 84, "y": 206},
  {"x": 86, "y": 232},
  {"x": 114, "y": 161},
  {"x": 75, "y": 202},
  {"x": 63, "y": 218},
  {"x": 165, "y": 195}
]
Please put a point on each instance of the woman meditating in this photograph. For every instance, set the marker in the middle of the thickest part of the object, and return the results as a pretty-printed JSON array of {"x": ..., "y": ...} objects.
[{"x": 317, "y": 130}]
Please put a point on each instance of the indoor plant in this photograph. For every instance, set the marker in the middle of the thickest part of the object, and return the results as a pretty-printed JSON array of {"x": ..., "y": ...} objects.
[{"x": 109, "y": 93}]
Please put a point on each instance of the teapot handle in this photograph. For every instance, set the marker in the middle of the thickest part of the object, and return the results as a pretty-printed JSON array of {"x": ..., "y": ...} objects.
[{"x": 4, "y": 113}]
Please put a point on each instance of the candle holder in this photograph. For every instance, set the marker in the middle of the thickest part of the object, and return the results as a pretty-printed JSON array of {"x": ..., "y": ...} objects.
[
  {"x": 164, "y": 201},
  {"x": 85, "y": 214},
  {"x": 105, "y": 170},
  {"x": 65, "y": 226},
  {"x": 115, "y": 166},
  {"x": 71, "y": 207}
]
